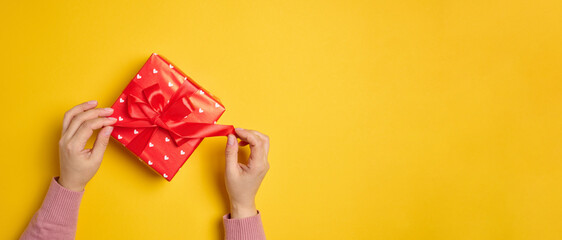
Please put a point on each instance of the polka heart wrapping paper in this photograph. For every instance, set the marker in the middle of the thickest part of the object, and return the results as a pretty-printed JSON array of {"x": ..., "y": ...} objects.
[{"x": 163, "y": 115}]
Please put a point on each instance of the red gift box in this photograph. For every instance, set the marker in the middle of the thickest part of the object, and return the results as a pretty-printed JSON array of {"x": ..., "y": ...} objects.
[{"x": 163, "y": 115}]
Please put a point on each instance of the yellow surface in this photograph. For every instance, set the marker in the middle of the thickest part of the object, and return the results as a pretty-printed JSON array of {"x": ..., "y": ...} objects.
[{"x": 388, "y": 119}]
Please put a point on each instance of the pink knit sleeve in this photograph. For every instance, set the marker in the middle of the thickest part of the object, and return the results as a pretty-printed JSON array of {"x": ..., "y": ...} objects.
[
  {"x": 58, "y": 215},
  {"x": 249, "y": 228}
]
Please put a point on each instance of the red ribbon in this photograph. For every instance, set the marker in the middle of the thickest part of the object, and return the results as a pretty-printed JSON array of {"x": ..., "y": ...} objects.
[{"x": 154, "y": 112}]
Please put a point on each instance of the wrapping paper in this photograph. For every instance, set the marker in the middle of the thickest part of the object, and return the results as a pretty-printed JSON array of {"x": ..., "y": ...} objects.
[{"x": 163, "y": 115}]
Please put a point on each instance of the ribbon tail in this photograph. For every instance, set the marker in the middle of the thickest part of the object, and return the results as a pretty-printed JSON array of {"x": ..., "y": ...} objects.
[
  {"x": 139, "y": 143},
  {"x": 185, "y": 131}
]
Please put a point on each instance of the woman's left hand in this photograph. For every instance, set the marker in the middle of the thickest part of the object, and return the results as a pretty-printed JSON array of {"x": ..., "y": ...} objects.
[{"x": 79, "y": 165}]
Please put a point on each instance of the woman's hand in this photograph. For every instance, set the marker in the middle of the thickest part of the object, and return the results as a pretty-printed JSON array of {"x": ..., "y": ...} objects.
[
  {"x": 243, "y": 180},
  {"x": 79, "y": 165}
]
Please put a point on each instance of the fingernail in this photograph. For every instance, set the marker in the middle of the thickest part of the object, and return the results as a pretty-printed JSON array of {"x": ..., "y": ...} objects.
[
  {"x": 93, "y": 102},
  {"x": 108, "y": 109},
  {"x": 231, "y": 139},
  {"x": 108, "y": 131},
  {"x": 238, "y": 129},
  {"x": 112, "y": 118}
]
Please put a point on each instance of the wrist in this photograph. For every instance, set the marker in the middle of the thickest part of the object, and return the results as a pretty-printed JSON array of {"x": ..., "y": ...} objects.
[
  {"x": 243, "y": 210},
  {"x": 70, "y": 186}
]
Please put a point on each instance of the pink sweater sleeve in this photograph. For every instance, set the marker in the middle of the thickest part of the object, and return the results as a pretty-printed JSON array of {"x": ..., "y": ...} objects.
[
  {"x": 249, "y": 228},
  {"x": 58, "y": 215}
]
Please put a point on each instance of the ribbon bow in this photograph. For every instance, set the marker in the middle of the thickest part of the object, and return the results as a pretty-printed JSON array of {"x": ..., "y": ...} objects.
[{"x": 153, "y": 112}]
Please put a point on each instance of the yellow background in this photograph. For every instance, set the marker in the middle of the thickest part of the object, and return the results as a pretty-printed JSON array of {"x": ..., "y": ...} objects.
[{"x": 388, "y": 119}]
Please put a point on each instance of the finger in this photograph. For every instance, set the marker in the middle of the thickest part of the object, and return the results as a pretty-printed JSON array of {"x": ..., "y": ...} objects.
[
  {"x": 84, "y": 116},
  {"x": 87, "y": 129},
  {"x": 101, "y": 142},
  {"x": 75, "y": 110},
  {"x": 265, "y": 141},
  {"x": 257, "y": 148},
  {"x": 259, "y": 134},
  {"x": 248, "y": 136},
  {"x": 231, "y": 153}
]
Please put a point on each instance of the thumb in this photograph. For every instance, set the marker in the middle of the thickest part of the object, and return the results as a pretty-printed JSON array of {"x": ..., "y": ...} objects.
[
  {"x": 101, "y": 142},
  {"x": 231, "y": 153}
]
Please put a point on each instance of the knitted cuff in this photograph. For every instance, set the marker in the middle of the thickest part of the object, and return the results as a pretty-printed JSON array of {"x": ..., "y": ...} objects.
[{"x": 249, "y": 228}]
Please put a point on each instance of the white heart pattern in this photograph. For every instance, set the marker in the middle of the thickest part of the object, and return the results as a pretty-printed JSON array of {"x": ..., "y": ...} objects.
[
  {"x": 166, "y": 157},
  {"x": 200, "y": 110},
  {"x": 119, "y": 136},
  {"x": 154, "y": 71},
  {"x": 165, "y": 175},
  {"x": 120, "y": 118},
  {"x": 217, "y": 105},
  {"x": 166, "y": 139},
  {"x": 139, "y": 76},
  {"x": 121, "y": 100},
  {"x": 150, "y": 144},
  {"x": 135, "y": 131},
  {"x": 201, "y": 92},
  {"x": 170, "y": 84},
  {"x": 215, "y": 122},
  {"x": 149, "y": 162},
  {"x": 182, "y": 152},
  {"x": 171, "y": 66}
]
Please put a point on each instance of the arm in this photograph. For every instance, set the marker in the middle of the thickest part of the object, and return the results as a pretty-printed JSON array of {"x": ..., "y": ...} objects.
[
  {"x": 58, "y": 216},
  {"x": 242, "y": 183}
]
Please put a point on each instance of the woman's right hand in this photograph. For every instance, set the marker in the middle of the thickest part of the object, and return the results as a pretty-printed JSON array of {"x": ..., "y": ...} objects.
[{"x": 243, "y": 180}]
